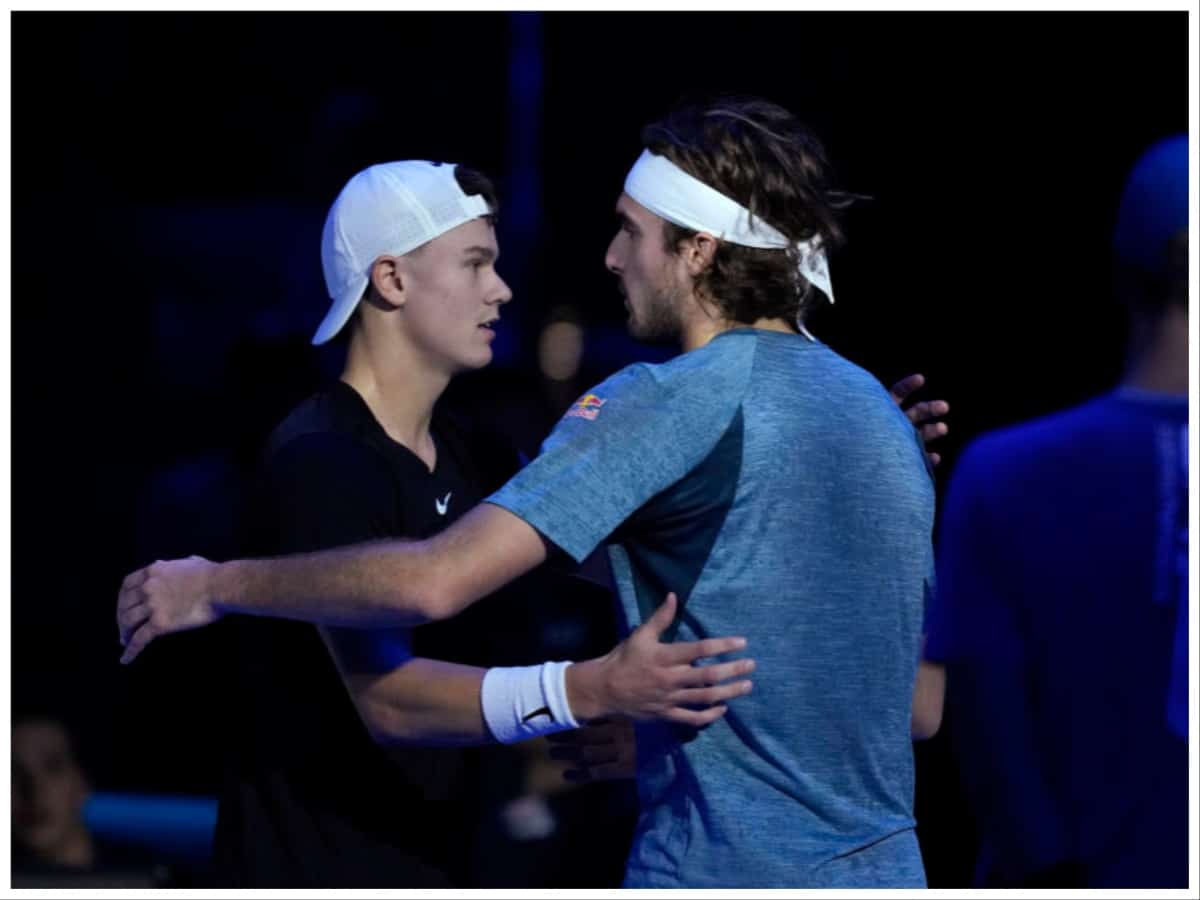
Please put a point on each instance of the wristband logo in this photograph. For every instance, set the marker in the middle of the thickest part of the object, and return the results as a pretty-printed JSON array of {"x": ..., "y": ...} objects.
[
  {"x": 544, "y": 711},
  {"x": 586, "y": 407}
]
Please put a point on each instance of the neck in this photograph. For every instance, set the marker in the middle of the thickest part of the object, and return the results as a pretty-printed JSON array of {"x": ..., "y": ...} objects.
[
  {"x": 1158, "y": 359},
  {"x": 701, "y": 329},
  {"x": 397, "y": 387}
]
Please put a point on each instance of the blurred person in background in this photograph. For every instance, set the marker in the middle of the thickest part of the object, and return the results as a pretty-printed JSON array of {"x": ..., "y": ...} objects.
[
  {"x": 1062, "y": 596},
  {"x": 51, "y": 842}
]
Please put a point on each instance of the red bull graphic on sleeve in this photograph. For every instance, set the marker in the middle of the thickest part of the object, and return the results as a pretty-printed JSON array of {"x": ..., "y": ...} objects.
[{"x": 586, "y": 407}]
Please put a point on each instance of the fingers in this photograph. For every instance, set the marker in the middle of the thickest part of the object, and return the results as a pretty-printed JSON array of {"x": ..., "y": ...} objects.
[
  {"x": 595, "y": 752},
  {"x": 582, "y": 737},
  {"x": 132, "y": 608},
  {"x": 135, "y": 579},
  {"x": 705, "y": 697},
  {"x": 132, "y": 589},
  {"x": 696, "y": 718},
  {"x": 564, "y": 737},
  {"x": 586, "y": 755},
  {"x": 934, "y": 431},
  {"x": 905, "y": 386},
  {"x": 693, "y": 650},
  {"x": 703, "y": 676},
  {"x": 935, "y": 458},
  {"x": 926, "y": 411},
  {"x": 598, "y": 733},
  {"x": 662, "y": 618},
  {"x": 606, "y": 772},
  {"x": 129, "y": 619},
  {"x": 138, "y": 642}
]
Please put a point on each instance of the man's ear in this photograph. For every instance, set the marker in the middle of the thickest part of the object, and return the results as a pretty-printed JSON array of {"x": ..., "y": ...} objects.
[
  {"x": 388, "y": 282},
  {"x": 698, "y": 252}
]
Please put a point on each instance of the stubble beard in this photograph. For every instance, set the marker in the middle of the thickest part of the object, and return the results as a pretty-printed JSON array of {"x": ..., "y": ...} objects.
[{"x": 658, "y": 321}]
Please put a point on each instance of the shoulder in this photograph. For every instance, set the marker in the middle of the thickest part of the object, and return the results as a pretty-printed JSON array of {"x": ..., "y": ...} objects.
[
  {"x": 724, "y": 363},
  {"x": 325, "y": 431},
  {"x": 1042, "y": 440},
  {"x": 1042, "y": 458},
  {"x": 711, "y": 378},
  {"x": 323, "y": 489},
  {"x": 831, "y": 378},
  {"x": 336, "y": 409},
  {"x": 326, "y": 483},
  {"x": 324, "y": 452}
]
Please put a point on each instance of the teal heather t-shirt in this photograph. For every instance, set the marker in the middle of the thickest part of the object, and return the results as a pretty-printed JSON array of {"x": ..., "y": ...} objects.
[{"x": 778, "y": 490}]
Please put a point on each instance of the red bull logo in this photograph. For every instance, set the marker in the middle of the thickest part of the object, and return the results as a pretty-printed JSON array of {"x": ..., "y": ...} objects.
[{"x": 586, "y": 407}]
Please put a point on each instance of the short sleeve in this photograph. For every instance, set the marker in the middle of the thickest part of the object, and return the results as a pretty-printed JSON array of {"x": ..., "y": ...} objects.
[{"x": 620, "y": 444}]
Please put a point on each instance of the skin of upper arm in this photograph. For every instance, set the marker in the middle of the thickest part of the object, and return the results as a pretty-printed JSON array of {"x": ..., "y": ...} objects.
[
  {"x": 929, "y": 694},
  {"x": 480, "y": 553}
]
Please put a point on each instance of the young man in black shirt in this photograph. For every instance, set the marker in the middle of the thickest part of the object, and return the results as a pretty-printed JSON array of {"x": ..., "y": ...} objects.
[{"x": 362, "y": 780}]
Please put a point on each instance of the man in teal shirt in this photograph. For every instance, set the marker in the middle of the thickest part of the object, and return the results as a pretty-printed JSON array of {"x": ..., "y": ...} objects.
[{"x": 766, "y": 480}]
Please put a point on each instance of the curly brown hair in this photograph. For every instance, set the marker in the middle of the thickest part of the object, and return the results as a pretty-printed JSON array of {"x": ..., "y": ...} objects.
[{"x": 760, "y": 155}]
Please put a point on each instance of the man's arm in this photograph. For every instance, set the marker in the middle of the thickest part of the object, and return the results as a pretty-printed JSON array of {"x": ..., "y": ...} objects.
[
  {"x": 427, "y": 701},
  {"x": 929, "y": 691},
  {"x": 375, "y": 585},
  {"x": 423, "y": 701},
  {"x": 929, "y": 695},
  {"x": 605, "y": 750}
]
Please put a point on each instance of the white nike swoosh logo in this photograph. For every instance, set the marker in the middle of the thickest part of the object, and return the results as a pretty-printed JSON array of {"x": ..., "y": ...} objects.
[{"x": 443, "y": 504}]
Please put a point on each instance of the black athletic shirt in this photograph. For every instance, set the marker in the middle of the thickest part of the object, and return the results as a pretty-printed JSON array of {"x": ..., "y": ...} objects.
[{"x": 310, "y": 800}]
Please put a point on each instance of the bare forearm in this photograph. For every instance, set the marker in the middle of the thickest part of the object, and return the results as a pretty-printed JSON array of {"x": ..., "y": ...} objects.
[
  {"x": 386, "y": 583},
  {"x": 377, "y": 585},
  {"x": 429, "y": 702},
  {"x": 425, "y": 701}
]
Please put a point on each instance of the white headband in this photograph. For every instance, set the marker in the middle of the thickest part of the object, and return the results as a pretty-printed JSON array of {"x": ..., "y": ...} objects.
[{"x": 667, "y": 191}]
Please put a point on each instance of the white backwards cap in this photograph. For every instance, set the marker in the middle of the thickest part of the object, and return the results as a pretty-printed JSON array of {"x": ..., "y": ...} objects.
[{"x": 386, "y": 210}]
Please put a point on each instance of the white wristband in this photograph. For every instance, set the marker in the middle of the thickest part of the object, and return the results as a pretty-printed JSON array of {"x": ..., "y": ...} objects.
[{"x": 522, "y": 702}]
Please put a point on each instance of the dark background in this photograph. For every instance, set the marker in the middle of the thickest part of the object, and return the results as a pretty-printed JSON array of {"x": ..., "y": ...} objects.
[{"x": 170, "y": 174}]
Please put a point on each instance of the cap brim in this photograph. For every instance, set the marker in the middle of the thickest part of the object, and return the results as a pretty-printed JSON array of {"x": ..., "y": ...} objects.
[{"x": 340, "y": 312}]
